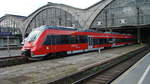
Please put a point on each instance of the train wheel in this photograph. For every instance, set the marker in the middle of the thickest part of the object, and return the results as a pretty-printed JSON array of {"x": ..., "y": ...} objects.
[
  {"x": 55, "y": 55},
  {"x": 62, "y": 54},
  {"x": 35, "y": 58}
]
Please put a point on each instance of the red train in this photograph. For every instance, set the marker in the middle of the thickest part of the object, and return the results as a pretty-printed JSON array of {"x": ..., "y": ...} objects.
[{"x": 51, "y": 40}]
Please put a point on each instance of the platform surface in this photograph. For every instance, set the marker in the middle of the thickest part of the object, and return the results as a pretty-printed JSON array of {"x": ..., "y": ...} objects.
[
  {"x": 43, "y": 72},
  {"x": 137, "y": 74},
  {"x": 9, "y": 53}
]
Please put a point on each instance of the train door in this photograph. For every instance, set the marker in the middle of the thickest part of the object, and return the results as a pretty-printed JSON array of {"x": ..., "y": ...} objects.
[
  {"x": 50, "y": 42},
  {"x": 90, "y": 42},
  {"x": 53, "y": 42}
]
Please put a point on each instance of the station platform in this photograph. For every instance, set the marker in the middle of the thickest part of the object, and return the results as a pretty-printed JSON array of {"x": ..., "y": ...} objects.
[
  {"x": 43, "y": 72},
  {"x": 9, "y": 53},
  {"x": 139, "y": 73}
]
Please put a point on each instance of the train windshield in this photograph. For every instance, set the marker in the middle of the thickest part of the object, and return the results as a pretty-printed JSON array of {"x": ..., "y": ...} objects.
[{"x": 33, "y": 35}]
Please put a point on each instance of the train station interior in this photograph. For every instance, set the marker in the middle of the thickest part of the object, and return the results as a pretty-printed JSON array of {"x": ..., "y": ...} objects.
[{"x": 105, "y": 43}]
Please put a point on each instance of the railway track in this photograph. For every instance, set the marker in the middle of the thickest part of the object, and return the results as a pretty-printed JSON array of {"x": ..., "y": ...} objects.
[
  {"x": 108, "y": 75},
  {"x": 104, "y": 73}
]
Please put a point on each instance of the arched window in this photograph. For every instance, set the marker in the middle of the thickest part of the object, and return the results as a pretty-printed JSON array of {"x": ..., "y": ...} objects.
[
  {"x": 124, "y": 13},
  {"x": 52, "y": 16}
]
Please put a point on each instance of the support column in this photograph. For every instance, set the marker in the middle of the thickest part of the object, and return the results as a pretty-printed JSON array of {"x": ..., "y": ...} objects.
[
  {"x": 106, "y": 24},
  {"x": 138, "y": 25},
  {"x": 138, "y": 35}
]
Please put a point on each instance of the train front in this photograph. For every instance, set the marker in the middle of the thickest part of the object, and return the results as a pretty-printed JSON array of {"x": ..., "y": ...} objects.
[{"x": 31, "y": 43}]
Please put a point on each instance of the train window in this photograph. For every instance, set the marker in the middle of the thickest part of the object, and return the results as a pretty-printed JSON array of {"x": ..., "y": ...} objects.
[
  {"x": 47, "y": 40},
  {"x": 65, "y": 39},
  {"x": 124, "y": 40},
  {"x": 56, "y": 40},
  {"x": 82, "y": 39},
  {"x": 103, "y": 41},
  {"x": 112, "y": 40},
  {"x": 99, "y": 41},
  {"x": 73, "y": 39},
  {"x": 61, "y": 39},
  {"x": 51, "y": 40}
]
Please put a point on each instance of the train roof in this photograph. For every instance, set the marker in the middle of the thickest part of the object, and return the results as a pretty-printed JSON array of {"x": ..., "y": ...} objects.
[
  {"x": 90, "y": 30},
  {"x": 57, "y": 27},
  {"x": 112, "y": 32},
  {"x": 66, "y": 28},
  {"x": 44, "y": 27}
]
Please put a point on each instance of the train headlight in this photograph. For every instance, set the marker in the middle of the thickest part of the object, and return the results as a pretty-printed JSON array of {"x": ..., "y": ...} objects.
[
  {"x": 47, "y": 47},
  {"x": 32, "y": 54},
  {"x": 33, "y": 44}
]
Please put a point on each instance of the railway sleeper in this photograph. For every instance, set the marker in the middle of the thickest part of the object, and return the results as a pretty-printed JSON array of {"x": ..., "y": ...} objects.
[
  {"x": 90, "y": 83},
  {"x": 98, "y": 81}
]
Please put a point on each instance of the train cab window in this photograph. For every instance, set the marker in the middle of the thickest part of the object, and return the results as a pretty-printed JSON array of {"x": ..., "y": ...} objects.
[{"x": 33, "y": 35}]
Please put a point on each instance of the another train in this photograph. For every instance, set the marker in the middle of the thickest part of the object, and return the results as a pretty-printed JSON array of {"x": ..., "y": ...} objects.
[{"x": 52, "y": 40}]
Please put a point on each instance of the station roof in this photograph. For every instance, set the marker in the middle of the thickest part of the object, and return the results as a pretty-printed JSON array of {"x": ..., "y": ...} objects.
[{"x": 11, "y": 15}]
